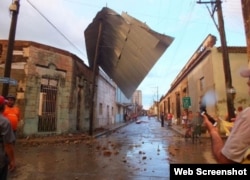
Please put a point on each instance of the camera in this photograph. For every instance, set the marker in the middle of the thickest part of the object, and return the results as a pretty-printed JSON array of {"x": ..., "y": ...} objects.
[{"x": 210, "y": 118}]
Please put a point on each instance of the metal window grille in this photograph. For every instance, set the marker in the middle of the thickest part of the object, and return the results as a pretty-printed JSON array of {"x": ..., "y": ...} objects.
[{"x": 47, "y": 106}]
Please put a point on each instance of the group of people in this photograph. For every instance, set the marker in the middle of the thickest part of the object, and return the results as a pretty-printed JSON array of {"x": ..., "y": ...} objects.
[
  {"x": 192, "y": 123},
  {"x": 9, "y": 118},
  {"x": 168, "y": 118}
]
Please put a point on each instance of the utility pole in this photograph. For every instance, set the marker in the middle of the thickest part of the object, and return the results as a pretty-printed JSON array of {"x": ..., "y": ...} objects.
[
  {"x": 93, "y": 86},
  {"x": 158, "y": 114},
  {"x": 230, "y": 91},
  {"x": 157, "y": 102},
  {"x": 14, "y": 8}
]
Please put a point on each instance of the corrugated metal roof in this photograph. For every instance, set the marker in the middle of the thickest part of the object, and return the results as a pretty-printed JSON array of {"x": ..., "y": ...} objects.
[{"x": 126, "y": 48}]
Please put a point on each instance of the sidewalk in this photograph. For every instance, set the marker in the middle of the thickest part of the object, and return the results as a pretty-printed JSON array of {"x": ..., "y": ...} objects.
[
  {"x": 71, "y": 137},
  {"x": 181, "y": 130},
  {"x": 110, "y": 128}
]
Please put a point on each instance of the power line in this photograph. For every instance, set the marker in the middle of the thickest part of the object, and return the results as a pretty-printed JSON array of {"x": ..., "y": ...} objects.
[
  {"x": 230, "y": 91},
  {"x": 54, "y": 26}
]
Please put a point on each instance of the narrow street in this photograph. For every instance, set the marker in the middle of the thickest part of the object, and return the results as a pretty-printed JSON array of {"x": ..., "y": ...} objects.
[{"x": 137, "y": 151}]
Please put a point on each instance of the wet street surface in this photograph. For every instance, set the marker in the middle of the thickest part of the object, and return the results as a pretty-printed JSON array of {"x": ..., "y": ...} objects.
[{"x": 138, "y": 151}]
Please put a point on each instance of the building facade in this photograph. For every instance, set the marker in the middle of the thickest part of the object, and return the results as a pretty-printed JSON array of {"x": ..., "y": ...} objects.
[
  {"x": 106, "y": 102},
  {"x": 137, "y": 102},
  {"x": 137, "y": 97},
  {"x": 203, "y": 77},
  {"x": 53, "y": 90},
  {"x": 124, "y": 106}
]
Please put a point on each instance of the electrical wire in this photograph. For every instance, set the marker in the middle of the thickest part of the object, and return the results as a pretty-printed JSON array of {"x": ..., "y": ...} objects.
[
  {"x": 189, "y": 15},
  {"x": 64, "y": 36}
]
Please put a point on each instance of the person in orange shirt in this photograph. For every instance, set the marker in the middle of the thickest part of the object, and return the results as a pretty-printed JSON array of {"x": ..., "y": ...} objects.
[{"x": 12, "y": 112}]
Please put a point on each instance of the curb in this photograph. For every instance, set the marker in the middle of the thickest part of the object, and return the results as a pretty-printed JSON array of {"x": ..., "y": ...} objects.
[
  {"x": 111, "y": 130},
  {"x": 182, "y": 132},
  {"x": 67, "y": 138},
  {"x": 202, "y": 135}
]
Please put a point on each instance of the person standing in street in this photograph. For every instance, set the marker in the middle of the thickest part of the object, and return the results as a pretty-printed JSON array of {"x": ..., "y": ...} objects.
[
  {"x": 12, "y": 112},
  {"x": 196, "y": 126},
  {"x": 162, "y": 119},
  {"x": 169, "y": 119},
  {"x": 236, "y": 148},
  {"x": 188, "y": 133},
  {"x": 7, "y": 157},
  {"x": 184, "y": 119}
]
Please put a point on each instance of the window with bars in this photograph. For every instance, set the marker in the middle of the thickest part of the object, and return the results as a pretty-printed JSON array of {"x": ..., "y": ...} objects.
[{"x": 47, "y": 105}]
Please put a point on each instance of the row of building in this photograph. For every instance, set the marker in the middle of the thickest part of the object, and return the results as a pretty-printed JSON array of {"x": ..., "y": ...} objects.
[
  {"x": 53, "y": 89},
  {"x": 203, "y": 77}
]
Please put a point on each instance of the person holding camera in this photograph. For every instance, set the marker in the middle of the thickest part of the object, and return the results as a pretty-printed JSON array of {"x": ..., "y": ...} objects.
[{"x": 236, "y": 148}]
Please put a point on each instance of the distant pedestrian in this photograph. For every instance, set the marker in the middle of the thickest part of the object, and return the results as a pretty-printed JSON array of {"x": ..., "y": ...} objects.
[
  {"x": 196, "y": 125},
  {"x": 162, "y": 119},
  {"x": 169, "y": 119},
  {"x": 125, "y": 117},
  {"x": 184, "y": 119},
  {"x": 188, "y": 133}
]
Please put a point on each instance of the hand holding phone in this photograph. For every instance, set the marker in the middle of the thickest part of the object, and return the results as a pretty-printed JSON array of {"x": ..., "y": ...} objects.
[{"x": 212, "y": 120}]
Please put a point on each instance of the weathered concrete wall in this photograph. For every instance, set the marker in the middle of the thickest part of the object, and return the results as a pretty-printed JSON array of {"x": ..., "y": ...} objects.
[
  {"x": 105, "y": 102},
  {"x": 31, "y": 68},
  {"x": 44, "y": 63}
]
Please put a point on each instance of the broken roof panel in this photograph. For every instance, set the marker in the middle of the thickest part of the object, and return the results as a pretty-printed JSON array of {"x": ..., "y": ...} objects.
[{"x": 127, "y": 48}]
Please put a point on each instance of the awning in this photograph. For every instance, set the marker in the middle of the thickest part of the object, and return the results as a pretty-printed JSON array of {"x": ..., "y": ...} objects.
[{"x": 126, "y": 48}]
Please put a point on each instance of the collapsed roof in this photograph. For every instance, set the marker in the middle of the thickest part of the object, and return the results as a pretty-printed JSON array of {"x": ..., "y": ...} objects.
[{"x": 125, "y": 48}]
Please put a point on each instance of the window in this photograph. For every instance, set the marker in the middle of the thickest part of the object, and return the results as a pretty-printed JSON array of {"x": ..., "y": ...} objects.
[
  {"x": 47, "y": 109},
  {"x": 108, "y": 110},
  {"x": 100, "y": 108},
  {"x": 202, "y": 84}
]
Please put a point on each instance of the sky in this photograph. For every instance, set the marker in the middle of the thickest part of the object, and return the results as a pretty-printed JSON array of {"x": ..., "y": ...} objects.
[{"x": 61, "y": 23}]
